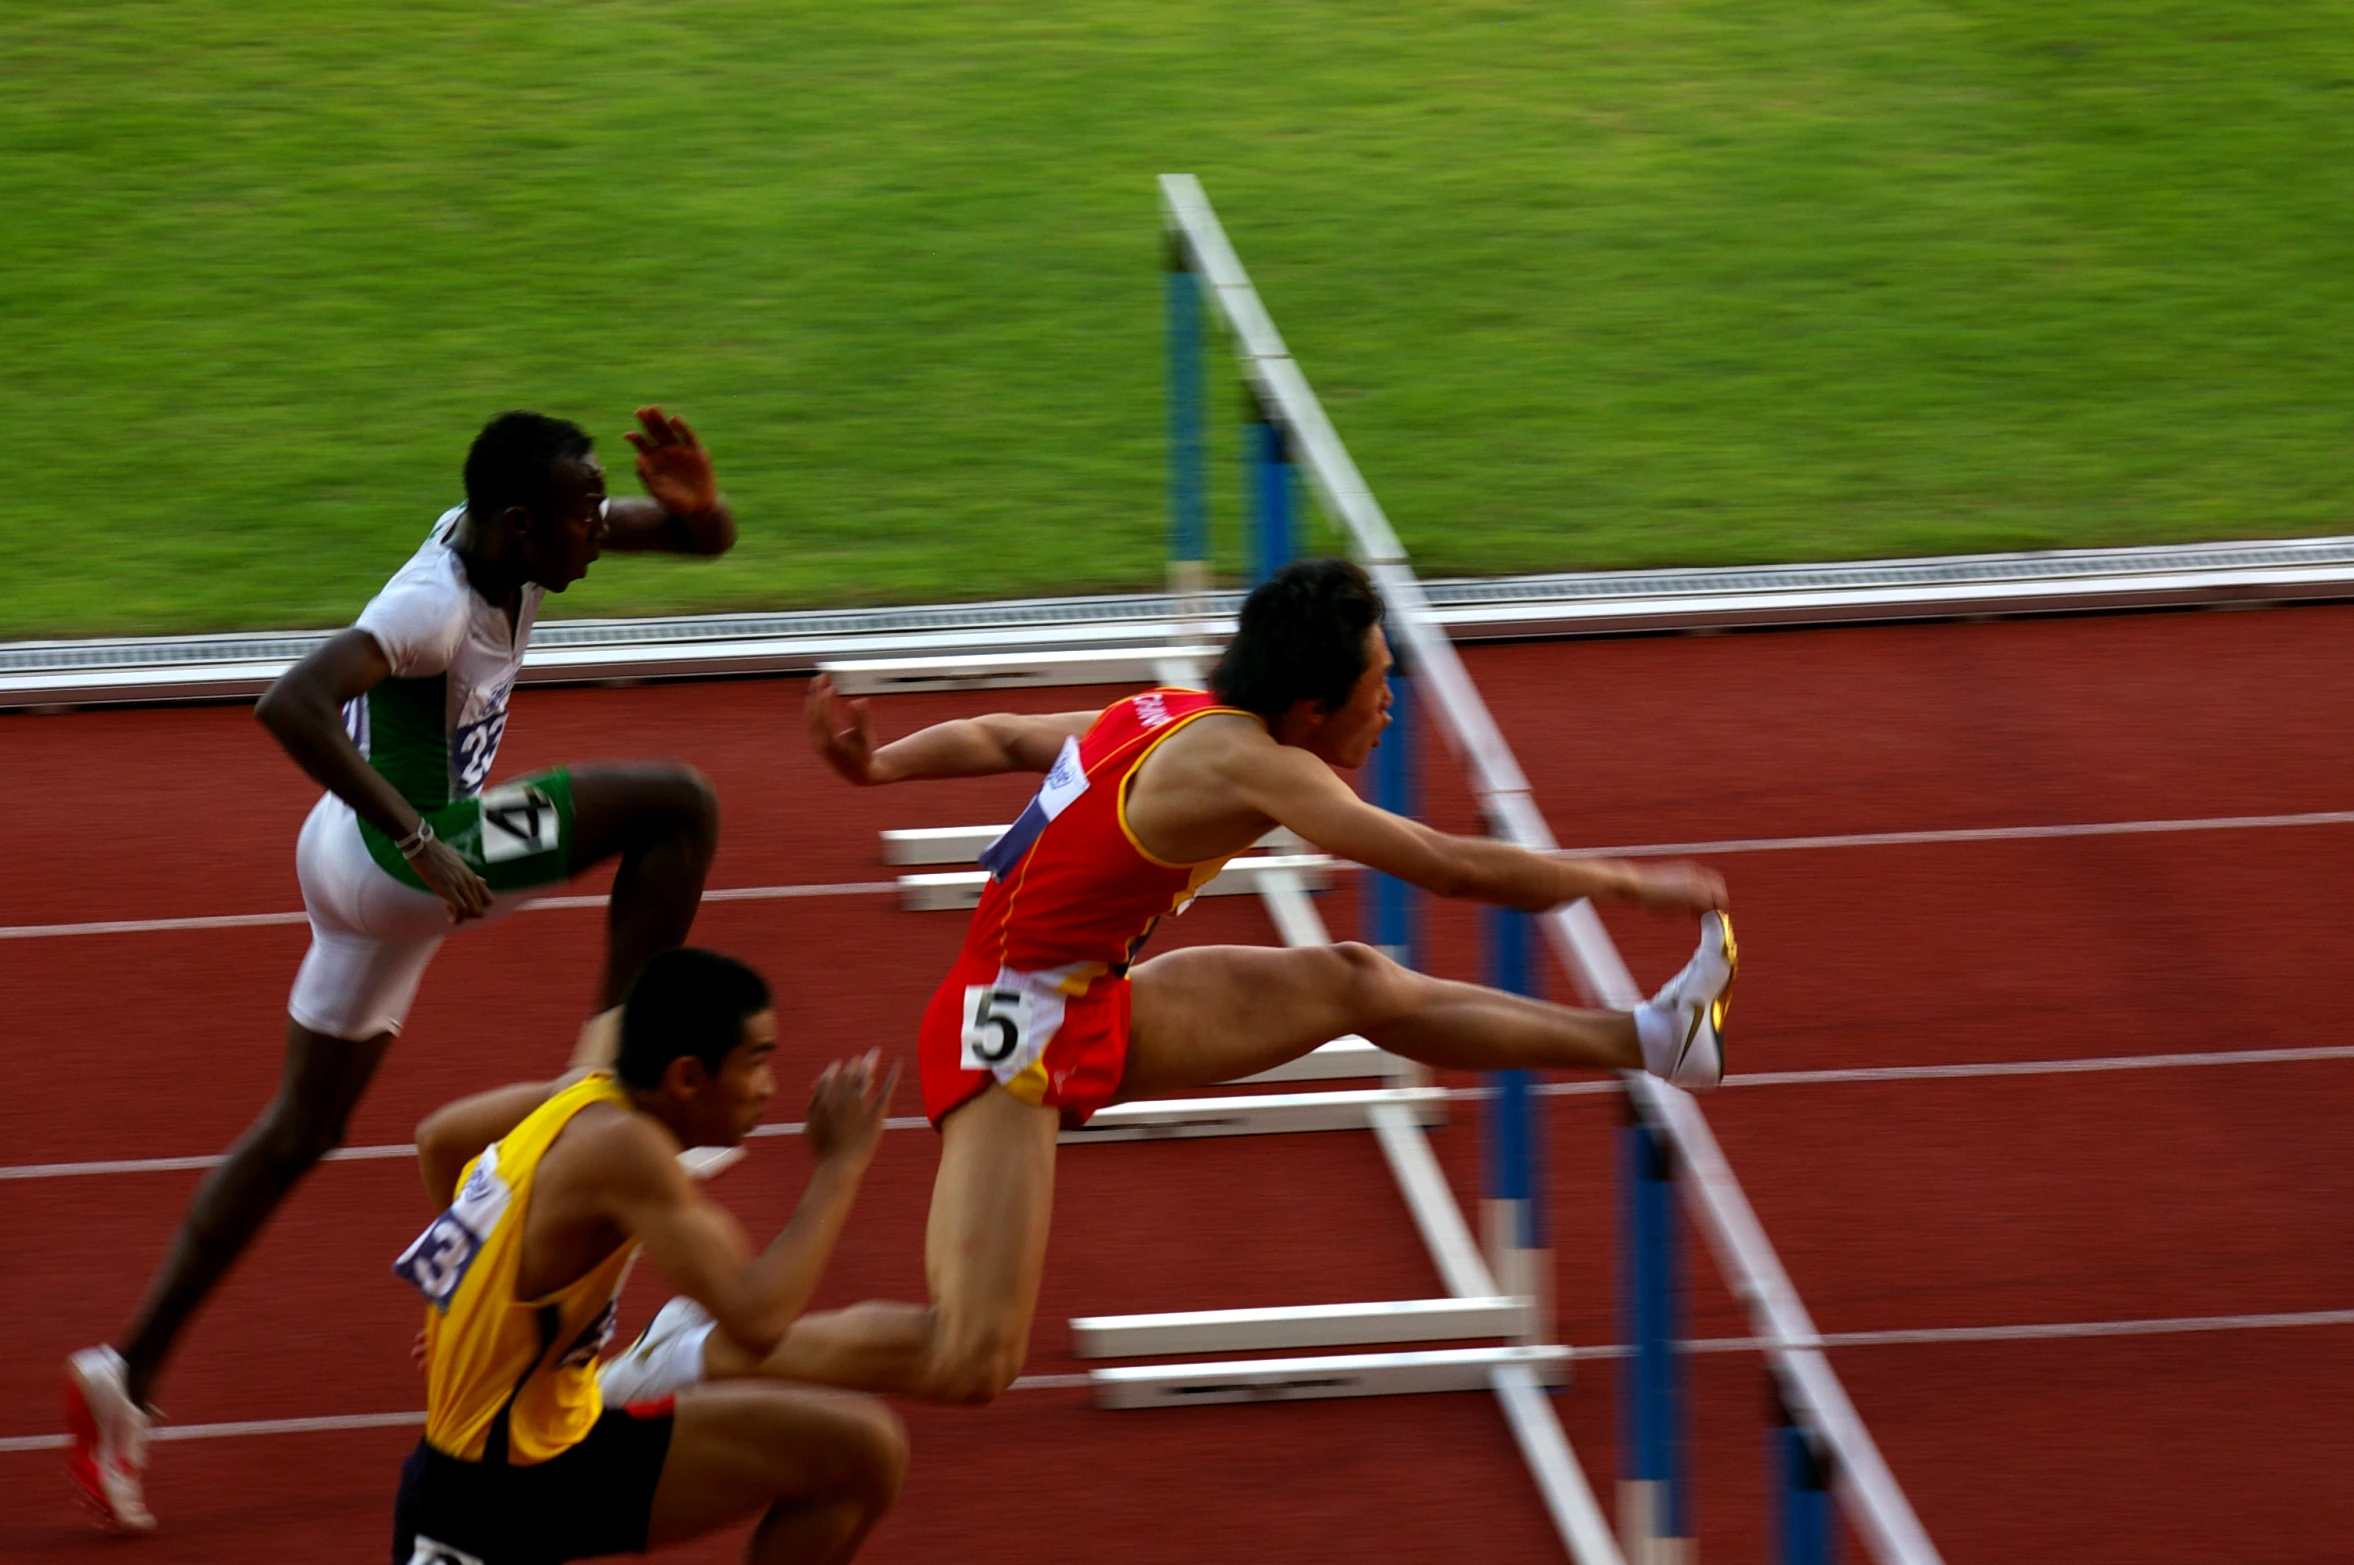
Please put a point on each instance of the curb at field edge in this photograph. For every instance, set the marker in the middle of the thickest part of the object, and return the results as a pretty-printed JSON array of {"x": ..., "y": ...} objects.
[{"x": 178, "y": 669}]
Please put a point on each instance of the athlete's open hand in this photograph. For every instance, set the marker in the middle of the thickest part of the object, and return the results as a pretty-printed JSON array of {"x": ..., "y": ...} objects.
[
  {"x": 1677, "y": 887},
  {"x": 841, "y": 731},
  {"x": 847, "y": 1107},
  {"x": 452, "y": 879},
  {"x": 673, "y": 465}
]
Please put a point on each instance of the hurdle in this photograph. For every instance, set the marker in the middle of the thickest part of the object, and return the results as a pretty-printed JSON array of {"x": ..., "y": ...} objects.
[{"x": 1818, "y": 1445}]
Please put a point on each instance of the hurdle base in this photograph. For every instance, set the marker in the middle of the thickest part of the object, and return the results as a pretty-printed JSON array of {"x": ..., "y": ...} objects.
[
  {"x": 1322, "y": 1376},
  {"x": 1642, "y": 1525},
  {"x": 1346, "y": 1058},
  {"x": 1265, "y": 1114},
  {"x": 1291, "y": 1327}
]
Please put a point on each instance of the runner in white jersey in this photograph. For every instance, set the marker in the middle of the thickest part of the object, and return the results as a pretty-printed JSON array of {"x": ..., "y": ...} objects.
[{"x": 400, "y": 718}]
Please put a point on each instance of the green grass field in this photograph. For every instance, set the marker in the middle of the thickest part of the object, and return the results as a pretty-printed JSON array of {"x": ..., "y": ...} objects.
[{"x": 1636, "y": 282}]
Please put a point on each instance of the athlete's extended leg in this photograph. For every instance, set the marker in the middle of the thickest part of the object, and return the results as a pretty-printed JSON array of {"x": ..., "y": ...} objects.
[
  {"x": 824, "y": 1467},
  {"x": 322, "y": 1082},
  {"x": 1212, "y": 1013},
  {"x": 663, "y": 819},
  {"x": 984, "y": 1253}
]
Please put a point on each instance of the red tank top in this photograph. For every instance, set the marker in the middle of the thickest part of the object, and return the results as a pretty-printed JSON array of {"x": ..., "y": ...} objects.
[{"x": 1071, "y": 892}]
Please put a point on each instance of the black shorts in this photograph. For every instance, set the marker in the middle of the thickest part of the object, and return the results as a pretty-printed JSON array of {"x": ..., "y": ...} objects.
[{"x": 594, "y": 1499}]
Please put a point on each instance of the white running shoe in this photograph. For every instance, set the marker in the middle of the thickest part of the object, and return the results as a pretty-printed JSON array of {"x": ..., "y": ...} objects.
[
  {"x": 108, "y": 1462},
  {"x": 665, "y": 1360},
  {"x": 1696, "y": 1000}
]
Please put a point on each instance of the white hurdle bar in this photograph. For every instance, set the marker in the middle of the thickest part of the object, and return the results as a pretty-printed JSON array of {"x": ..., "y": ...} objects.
[{"x": 1170, "y": 665}]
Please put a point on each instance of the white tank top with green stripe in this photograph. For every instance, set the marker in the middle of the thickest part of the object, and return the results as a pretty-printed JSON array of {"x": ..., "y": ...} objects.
[{"x": 433, "y": 728}]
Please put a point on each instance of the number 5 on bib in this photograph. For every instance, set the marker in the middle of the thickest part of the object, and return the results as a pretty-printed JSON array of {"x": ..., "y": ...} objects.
[
  {"x": 995, "y": 1021},
  {"x": 1006, "y": 1027}
]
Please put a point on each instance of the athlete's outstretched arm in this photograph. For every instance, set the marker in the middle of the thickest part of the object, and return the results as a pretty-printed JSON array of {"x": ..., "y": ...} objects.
[
  {"x": 304, "y": 712},
  {"x": 698, "y": 1245},
  {"x": 1297, "y": 790},
  {"x": 841, "y": 731},
  {"x": 686, "y": 513}
]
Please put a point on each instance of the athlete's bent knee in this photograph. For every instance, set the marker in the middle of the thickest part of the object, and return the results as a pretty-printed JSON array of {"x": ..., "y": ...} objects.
[
  {"x": 874, "y": 1450},
  {"x": 1374, "y": 986},
  {"x": 694, "y": 802}
]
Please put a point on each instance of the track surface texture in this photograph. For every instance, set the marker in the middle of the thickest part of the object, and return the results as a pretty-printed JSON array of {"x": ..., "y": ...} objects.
[{"x": 1898, "y": 1204}]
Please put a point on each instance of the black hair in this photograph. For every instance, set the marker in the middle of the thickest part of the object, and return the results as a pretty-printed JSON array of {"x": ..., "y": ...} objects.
[
  {"x": 513, "y": 462},
  {"x": 687, "y": 1001},
  {"x": 1301, "y": 638}
]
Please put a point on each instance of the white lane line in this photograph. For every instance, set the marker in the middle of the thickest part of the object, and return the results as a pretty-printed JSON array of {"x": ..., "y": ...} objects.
[
  {"x": 2050, "y": 1331},
  {"x": 147, "y": 926},
  {"x": 1991, "y": 1068},
  {"x": 1730, "y": 845},
  {"x": 1893, "y": 839},
  {"x": 167, "y": 1165},
  {"x": 1551, "y": 1089},
  {"x": 152, "y": 926},
  {"x": 2114, "y": 1062},
  {"x": 1929, "y": 1336}
]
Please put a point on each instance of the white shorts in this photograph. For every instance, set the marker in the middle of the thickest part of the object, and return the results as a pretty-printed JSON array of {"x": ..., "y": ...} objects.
[{"x": 371, "y": 936}]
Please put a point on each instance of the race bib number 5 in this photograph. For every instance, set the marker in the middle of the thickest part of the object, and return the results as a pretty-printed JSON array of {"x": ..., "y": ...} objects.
[{"x": 1006, "y": 1027}]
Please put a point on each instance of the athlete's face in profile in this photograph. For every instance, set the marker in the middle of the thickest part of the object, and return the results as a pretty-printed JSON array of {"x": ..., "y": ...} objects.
[
  {"x": 744, "y": 1082},
  {"x": 1348, "y": 733},
  {"x": 569, "y": 534}
]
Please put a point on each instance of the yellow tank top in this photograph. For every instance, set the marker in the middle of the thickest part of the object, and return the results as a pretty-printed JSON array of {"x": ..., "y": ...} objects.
[{"x": 510, "y": 1380}]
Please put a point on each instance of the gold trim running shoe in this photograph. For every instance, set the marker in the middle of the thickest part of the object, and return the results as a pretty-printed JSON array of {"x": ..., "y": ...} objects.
[{"x": 1698, "y": 1000}]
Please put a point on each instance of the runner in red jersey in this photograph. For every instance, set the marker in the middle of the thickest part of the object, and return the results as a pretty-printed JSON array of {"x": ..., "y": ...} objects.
[
  {"x": 1041, "y": 1019},
  {"x": 1038, "y": 1002}
]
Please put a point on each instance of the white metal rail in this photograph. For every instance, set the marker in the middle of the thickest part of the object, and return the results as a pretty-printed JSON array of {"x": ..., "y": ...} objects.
[{"x": 1873, "y": 1500}]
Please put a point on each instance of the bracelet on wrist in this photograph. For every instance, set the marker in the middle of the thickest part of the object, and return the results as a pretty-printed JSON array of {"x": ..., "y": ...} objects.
[{"x": 414, "y": 843}]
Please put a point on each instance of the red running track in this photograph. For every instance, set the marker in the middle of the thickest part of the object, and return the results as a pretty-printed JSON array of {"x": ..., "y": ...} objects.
[{"x": 1979, "y": 1201}]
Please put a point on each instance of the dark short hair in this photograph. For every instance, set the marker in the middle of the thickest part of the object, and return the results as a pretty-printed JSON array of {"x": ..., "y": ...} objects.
[
  {"x": 687, "y": 1001},
  {"x": 1301, "y": 638},
  {"x": 513, "y": 461}
]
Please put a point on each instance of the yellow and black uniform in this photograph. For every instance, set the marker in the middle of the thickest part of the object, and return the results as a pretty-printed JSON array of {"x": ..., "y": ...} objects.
[{"x": 521, "y": 1464}]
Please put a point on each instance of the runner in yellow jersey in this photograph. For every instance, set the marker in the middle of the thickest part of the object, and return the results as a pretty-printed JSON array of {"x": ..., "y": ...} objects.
[{"x": 553, "y": 1189}]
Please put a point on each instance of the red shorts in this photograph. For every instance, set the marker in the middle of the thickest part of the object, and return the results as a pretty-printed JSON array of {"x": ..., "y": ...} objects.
[{"x": 972, "y": 1020}]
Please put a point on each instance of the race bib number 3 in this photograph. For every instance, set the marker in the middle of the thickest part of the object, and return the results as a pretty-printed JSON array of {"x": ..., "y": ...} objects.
[
  {"x": 518, "y": 820},
  {"x": 1006, "y": 1027},
  {"x": 436, "y": 1263}
]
